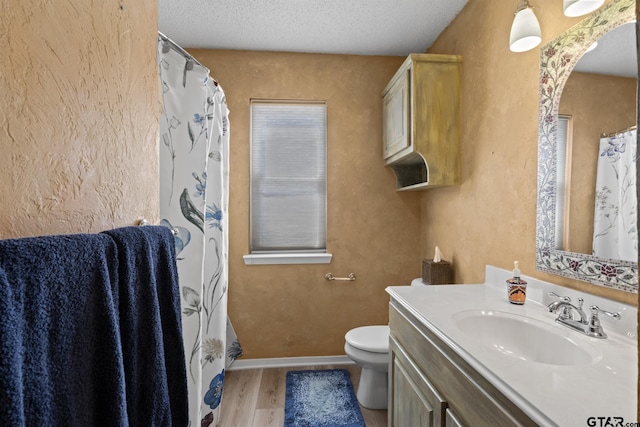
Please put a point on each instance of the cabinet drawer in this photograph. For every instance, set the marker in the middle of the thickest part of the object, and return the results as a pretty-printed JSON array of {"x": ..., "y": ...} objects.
[{"x": 475, "y": 401}]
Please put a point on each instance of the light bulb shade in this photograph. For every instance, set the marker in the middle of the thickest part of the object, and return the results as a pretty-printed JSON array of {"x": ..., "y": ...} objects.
[
  {"x": 574, "y": 8},
  {"x": 525, "y": 31}
]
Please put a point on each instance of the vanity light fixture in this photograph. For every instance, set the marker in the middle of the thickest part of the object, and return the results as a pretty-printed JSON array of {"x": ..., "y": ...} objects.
[
  {"x": 573, "y": 8},
  {"x": 525, "y": 30}
]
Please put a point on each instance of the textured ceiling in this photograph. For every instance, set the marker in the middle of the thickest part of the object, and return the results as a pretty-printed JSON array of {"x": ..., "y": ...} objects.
[
  {"x": 615, "y": 54},
  {"x": 361, "y": 27}
]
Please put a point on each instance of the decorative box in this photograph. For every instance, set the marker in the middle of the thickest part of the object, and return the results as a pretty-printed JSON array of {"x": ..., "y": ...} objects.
[{"x": 436, "y": 273}]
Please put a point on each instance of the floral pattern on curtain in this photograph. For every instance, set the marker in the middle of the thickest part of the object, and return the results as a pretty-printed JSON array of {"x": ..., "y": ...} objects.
[
  {"x": 615, "y": 233},
  {"x": 194, "y": 186}
]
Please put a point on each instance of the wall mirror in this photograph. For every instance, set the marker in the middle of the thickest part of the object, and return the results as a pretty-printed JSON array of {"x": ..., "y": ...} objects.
[{"x": 587, "y": 116}]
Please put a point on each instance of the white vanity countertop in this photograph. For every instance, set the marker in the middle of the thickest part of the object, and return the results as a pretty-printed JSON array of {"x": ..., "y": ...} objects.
[{"x": 549, "y": 394}]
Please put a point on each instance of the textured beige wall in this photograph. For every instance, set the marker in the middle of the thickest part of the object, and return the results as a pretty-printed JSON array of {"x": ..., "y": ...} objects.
[
  {"x": 597, "y": 104},
  {"x": 78, "y": 115},
  {"x": 372, "y": 231},
  {"x": 490, "y": 218}
]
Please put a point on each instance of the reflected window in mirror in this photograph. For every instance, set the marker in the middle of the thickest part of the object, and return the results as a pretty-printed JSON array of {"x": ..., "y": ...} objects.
[{"x": 563, "y": 181}]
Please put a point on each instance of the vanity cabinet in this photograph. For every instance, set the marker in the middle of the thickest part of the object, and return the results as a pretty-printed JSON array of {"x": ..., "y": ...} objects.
[
  {"x": 431, "y": 385},
  {"x": 421, "y": 124}
]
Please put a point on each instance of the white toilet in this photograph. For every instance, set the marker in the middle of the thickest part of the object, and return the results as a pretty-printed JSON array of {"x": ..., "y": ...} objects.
[{"x": 368, "y": 347}]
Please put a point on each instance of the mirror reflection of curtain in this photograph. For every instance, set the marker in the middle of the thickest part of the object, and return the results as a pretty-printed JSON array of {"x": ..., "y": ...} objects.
[{"x": 615, "y": 232}]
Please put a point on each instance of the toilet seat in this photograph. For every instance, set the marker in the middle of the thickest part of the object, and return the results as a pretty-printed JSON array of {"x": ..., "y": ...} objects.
[
  {"x": 369, "y": 338},
  {"x": 368, "y": 347}
]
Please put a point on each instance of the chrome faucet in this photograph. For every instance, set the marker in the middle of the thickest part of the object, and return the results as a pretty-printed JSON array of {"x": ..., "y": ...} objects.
[
  {"x": 588, "y": 326},
  {"x": 565, "y": 304},
  {"x": 565, "y": 317}
]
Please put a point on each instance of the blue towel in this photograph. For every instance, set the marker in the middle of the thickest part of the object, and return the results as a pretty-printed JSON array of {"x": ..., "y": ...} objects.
[
  {"x": 60, "y": 348},
  {"x": 150, "y": 325},
  {"x": 90, "y": 330}
]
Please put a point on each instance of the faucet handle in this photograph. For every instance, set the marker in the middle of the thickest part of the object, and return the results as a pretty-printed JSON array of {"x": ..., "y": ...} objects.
[
  {"x": 595, "y": 310},
  {"x": 595, "y": 327},
  {"x": 562, "y": 298}
]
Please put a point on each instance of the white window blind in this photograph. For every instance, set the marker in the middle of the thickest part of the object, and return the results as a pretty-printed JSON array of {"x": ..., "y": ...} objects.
[
  {"x": 288, "y": 176},
  {"x": 562, "y": 157}
]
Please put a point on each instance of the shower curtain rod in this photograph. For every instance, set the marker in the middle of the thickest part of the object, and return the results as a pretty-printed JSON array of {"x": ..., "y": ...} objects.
[
  {"x": 605, "y": 135},
  {"x": 168, "y": 42}
]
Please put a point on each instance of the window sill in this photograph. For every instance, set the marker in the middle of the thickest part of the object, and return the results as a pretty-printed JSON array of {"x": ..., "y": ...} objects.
[{"x": 266, "y": 259}]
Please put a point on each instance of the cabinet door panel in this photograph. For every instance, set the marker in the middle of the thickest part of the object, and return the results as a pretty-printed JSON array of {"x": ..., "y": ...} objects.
[
  {"x": 415, "y": 401},
  {"x": 395, "y": 120},
  {"x": 411, "y": 408}
]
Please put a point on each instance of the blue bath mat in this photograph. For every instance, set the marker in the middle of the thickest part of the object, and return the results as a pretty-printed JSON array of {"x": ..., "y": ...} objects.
[{"x": 322, "y": 398}]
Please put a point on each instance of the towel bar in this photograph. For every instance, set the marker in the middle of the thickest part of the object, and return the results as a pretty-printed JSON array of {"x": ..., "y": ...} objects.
[
  {"x": 144, "y": 222},
  {"x": 349, "y": 278}
]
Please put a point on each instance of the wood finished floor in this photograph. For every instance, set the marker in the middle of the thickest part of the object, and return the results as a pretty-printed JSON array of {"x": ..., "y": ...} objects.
[{"x": 255, "y": 397}]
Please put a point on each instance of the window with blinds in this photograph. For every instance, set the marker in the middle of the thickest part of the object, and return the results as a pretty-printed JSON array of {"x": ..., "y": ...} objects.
[
  {"x": 563, "y": 173},
  {"x": 288, "y": 176}
]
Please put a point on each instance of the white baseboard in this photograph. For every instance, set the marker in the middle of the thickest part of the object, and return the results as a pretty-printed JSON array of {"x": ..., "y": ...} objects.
[{"x": 286, "y": 362}]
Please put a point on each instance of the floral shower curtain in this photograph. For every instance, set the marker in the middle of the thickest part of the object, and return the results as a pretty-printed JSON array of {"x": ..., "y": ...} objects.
[
  {"x": 615, "y": 233},
  {"x": 194, "y": 186}
]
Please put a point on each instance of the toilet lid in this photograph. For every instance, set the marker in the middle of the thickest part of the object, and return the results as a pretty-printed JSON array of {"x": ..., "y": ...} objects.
[{"x": 369, "y": 338}]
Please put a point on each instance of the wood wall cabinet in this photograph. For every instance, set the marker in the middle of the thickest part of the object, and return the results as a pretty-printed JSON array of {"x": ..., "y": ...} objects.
[
  {"x": 431, "y": 385},
  {"x": 421, "y": 123}
]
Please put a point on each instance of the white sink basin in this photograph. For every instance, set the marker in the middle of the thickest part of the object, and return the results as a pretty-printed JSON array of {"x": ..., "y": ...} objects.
[{"x": 526, "y": 338}]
